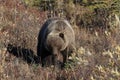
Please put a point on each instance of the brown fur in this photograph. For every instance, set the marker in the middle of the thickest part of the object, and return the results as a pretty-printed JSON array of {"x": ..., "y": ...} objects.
[{"x": 56, "y": 38}]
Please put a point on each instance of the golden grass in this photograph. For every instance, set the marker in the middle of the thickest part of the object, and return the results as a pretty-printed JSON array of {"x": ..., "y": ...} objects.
[{"x": 97, "y": 56}]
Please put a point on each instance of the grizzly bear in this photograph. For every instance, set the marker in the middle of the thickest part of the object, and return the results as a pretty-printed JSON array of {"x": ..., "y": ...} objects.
[{"x": 56, "y": 41}]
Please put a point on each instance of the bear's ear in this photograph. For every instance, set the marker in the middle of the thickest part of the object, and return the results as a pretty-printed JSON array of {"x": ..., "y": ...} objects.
[{"x": 61, "y": 35}]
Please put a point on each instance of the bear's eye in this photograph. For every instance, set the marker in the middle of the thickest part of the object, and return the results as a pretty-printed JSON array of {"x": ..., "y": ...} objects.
[{"x": 61, "y": 35}]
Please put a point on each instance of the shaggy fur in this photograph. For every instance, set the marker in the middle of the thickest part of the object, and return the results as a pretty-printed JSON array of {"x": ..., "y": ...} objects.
[{"x": 56, "y": 39}]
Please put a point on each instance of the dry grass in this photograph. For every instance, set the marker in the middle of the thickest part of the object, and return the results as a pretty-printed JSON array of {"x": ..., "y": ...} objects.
[{"x": 97, "y": 56}]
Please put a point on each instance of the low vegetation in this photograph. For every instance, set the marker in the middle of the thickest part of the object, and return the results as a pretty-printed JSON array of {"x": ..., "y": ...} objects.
[{"x": 97, "y": 41}]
